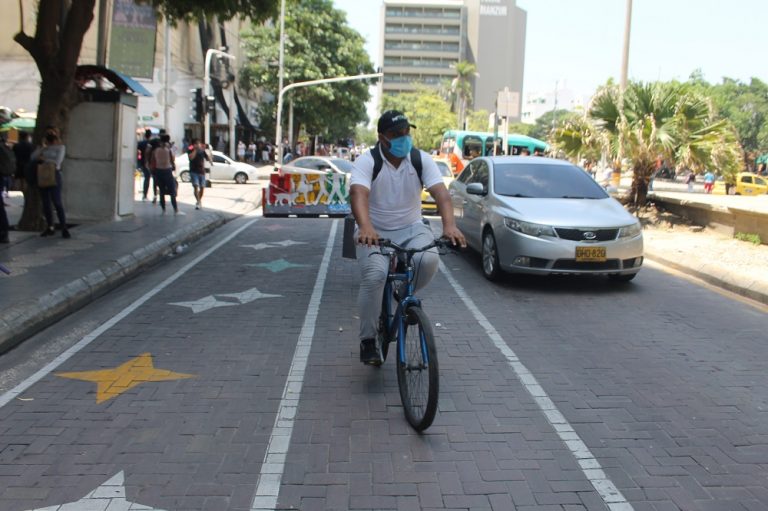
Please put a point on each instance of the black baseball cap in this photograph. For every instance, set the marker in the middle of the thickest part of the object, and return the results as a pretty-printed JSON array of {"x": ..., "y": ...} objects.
[{"x": 393, "y": 120}]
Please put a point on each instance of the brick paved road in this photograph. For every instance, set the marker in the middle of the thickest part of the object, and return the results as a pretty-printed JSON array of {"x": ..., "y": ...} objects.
[{"x": 663, "y": 381}]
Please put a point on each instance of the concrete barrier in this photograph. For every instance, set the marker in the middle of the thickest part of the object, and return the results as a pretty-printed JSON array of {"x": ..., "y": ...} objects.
[{"x": 727, "y": 219}]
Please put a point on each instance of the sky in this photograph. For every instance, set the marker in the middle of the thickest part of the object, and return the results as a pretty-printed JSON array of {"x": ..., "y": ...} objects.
[{"x": 578, "y": 43}]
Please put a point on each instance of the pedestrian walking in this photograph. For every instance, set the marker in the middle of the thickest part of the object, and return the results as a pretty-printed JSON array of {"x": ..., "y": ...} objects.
[
  {"x": 49, "y": 158},
  {"x": 709, "y": 181},
  {"x": 250, "y": 152},
  {"x": 197, "y": 157},
  {"x": 690, "y": 180},
  {"x": 265, "y": 153},
  {"x": 240, "y": 151},
  {"x": 143, "y": 163},
  {"x": 163, "y": 165}
]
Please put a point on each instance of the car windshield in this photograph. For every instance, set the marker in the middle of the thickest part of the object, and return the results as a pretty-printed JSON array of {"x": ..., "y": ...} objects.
[
  {"x": 542, "y": 181},
  {"x": 344, "y": 165},
  {"x": 444, "y": 169}
]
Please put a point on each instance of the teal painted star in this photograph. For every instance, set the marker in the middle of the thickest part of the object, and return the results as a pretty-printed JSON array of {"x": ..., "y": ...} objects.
[{"x": 278, "y": 265}]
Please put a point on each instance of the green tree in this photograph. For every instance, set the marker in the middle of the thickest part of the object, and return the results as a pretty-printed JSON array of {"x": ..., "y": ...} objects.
[
  {"x": 746, "y": 106},
  {"x": 478, "y": 120},
  {"x": 461, "y": 89},
  {"x": 427, "y": 110},
  {"x": 544, "y": 124},
  {"x": 319, "y": 44},
  {"x": 56, "y": 46},
  {"x": 365, "y": 135}
]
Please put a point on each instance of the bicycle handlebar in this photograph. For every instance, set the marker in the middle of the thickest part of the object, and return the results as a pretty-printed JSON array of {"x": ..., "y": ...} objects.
[{"x": 438, "y": 242}]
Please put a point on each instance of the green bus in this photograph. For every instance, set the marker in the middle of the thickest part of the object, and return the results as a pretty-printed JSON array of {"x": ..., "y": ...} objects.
[{"x": 459, "y": 147}]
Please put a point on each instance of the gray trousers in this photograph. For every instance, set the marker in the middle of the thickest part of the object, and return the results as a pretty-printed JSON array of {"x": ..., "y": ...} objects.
[{"x": 374, "y": 268}]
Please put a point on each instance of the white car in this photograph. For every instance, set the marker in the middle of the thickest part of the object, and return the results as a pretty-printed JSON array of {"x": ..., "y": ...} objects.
[
  {"x": 321, "y": 164},
  {"x": 223, "y": 169}
]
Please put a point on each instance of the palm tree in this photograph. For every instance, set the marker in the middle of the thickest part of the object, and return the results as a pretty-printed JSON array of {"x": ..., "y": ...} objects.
[
  {"x": 461, "y": 89},
  {"x": 651, "y": 121}
]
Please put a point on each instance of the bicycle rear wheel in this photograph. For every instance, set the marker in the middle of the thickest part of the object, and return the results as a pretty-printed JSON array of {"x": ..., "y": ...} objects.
[{"x": 417, "y": 374}]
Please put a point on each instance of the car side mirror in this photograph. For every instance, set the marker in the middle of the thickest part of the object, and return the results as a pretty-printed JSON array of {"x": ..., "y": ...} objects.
[{"x": 476, "y": 189}]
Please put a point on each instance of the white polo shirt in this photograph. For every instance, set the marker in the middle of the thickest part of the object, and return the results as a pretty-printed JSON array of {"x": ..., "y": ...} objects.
[{"x": 395, "y": 197}]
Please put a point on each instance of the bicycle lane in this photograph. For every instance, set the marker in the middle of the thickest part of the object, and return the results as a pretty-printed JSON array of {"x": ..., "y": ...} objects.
[
  {"x": 492, "y": 446},
  {"x": 171, "y": 404}
]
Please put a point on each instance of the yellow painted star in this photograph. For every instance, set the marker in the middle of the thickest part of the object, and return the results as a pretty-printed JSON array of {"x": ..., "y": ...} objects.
[{"x": 115, "y": 381}]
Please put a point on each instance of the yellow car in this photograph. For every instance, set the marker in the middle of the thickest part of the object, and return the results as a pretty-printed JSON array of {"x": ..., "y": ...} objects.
[
  {"x": 428, "y": 204},
  {"x": 746, "y": 184}
]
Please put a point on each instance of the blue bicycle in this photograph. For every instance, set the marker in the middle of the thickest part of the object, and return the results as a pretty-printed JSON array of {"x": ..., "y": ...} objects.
[{"x": 409, "y": 327}]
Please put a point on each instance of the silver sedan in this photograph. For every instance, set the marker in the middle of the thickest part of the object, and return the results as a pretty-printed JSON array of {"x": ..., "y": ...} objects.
[{"x": 544, "y": 216}]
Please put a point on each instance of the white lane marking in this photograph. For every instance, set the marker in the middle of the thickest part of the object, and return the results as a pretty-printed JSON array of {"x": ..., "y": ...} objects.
[
  {"x": 110, "y": 495},
  {"x": 85, "y": 341},
  {"x": 591, "y": 468},
  {"x": 273, "y": 466}
]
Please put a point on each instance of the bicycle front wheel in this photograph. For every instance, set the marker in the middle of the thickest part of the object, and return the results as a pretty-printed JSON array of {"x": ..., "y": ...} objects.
[{"x": 417, "y": 370}]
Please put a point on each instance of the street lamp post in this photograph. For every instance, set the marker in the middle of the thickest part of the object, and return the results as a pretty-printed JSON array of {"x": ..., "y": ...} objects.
[
  {"x": 206, "y": 89},
  {"x": 279, "y": 129}
]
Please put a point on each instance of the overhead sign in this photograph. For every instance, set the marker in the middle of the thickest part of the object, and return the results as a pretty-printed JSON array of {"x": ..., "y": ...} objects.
[{"x": 132, "y": 39}]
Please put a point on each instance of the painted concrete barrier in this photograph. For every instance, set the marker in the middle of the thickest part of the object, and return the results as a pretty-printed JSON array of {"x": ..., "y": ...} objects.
[{"x": 306, "y": 193}]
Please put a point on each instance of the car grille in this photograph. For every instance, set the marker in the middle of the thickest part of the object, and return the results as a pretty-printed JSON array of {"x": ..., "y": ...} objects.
[
  {"x": 572, "y": 264},
  {"x": 578, "y": 234}
]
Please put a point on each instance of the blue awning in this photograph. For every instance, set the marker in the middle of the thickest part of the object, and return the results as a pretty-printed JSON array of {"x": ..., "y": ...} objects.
[{"x": 120, "y": 81}]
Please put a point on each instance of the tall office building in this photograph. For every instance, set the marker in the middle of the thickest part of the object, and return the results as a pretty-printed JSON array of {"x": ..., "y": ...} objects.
[{"x": 422, "y": 40}]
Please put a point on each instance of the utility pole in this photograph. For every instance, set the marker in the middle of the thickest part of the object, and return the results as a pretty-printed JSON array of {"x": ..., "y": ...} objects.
[
  {"x": 625, "y": 54},
  {"x": 554, "y": 106},
  {"x": 167, "y": 76},
  {"x": 206, "y": 89}
]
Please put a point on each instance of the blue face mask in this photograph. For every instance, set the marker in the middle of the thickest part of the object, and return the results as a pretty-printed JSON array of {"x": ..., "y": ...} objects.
[{"x": 400, "y": 147}]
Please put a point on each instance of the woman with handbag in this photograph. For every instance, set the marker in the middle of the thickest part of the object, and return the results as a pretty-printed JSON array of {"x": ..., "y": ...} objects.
[{"x": 49, "y": 158}]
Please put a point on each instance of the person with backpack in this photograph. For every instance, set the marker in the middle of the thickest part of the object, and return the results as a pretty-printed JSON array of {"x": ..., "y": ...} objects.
[
  {"x": 385, "y": 195},
  {"x": 162, "y": 164}
]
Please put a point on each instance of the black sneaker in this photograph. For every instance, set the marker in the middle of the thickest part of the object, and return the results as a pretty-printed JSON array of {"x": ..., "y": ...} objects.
[{"x": 370, "y": 353}]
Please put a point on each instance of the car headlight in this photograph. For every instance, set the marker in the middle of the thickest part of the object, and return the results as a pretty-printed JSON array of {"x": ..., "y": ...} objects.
[
  {"x": 529, "y": 228},
  {"x": 630, "y": 231}
]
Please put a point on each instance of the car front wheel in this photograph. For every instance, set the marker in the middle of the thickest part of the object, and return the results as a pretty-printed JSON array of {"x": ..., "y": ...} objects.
[
  {"x": 490, "y": 255},
  {"x": 241, "y": 178},
  {"x": 184, "y": 176}
]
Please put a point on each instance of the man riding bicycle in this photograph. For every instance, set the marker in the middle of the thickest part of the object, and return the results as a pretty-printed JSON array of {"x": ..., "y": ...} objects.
[{"x": 385, "y": 195}]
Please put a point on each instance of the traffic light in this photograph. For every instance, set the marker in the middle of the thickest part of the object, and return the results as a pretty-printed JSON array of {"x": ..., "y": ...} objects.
[
  {"x": 210, "y": 104},
  {"x": 197, "y": 108}
]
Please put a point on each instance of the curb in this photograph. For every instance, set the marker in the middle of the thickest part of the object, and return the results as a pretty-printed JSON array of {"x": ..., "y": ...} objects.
[
  {"x": 750, "y": 292},
  {"x": 28, "y": 318}
]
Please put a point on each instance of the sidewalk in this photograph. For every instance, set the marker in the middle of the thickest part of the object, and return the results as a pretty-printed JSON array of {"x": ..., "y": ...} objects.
[{"x": 54, "y": 277}]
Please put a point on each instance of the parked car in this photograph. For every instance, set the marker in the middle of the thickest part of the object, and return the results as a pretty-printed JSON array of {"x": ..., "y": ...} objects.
[
  {"x": 222, "y": 169},
  {"x": 322, "y": 164},
  {"x": 428, "y": 204},
  {"x": 544, "y": 216}
]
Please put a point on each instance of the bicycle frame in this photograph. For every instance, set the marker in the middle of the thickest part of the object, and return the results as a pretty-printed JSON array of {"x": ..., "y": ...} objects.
[{"x": 395, "y": 323}]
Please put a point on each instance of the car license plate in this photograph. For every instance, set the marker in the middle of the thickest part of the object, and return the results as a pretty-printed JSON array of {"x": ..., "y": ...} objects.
[{"x": 590, "y": 254}]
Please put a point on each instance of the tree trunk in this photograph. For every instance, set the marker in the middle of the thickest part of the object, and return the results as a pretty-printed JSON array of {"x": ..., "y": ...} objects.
[
  {"x": 55, "y": 48},
  {"x": 640, "y": 180}
]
